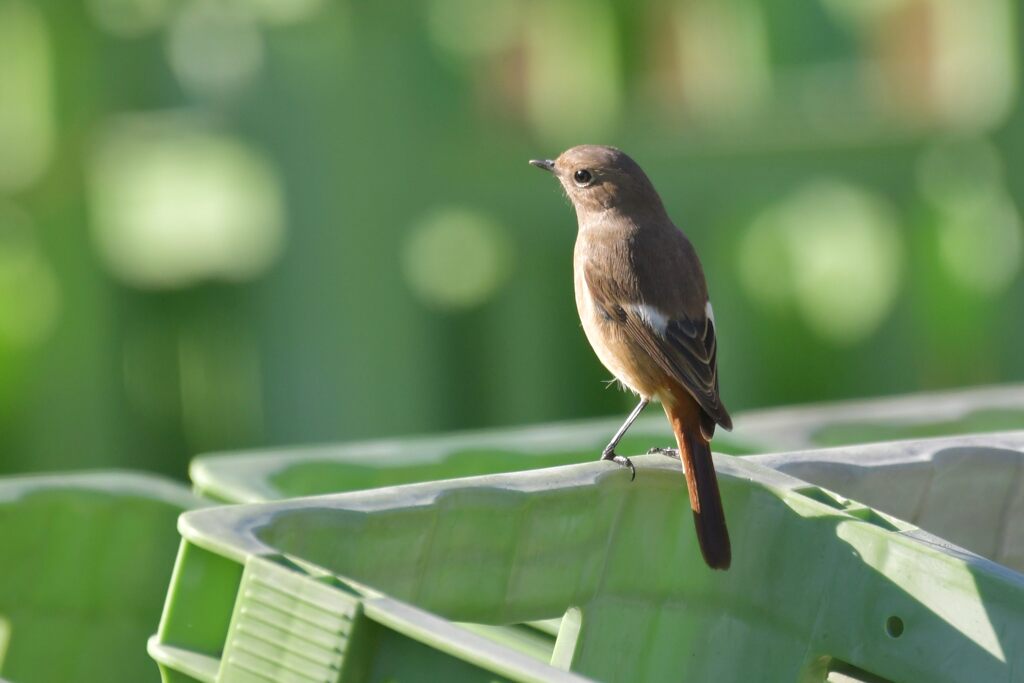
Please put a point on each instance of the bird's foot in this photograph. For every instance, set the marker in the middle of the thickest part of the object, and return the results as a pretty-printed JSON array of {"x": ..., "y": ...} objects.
[
  {"x": 670, "y": 452},
  {"x": 621, "y": 460}
]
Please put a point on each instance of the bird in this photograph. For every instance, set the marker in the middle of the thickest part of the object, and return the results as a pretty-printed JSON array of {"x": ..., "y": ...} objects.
[{"x": 643, "y": 303}]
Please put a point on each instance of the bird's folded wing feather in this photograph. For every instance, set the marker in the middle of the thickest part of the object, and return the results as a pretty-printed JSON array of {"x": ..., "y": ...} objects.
[{"x": 683, "y": 346}]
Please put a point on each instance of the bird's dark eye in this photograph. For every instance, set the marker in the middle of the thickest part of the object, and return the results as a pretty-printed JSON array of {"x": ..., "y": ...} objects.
[{"x": 582, "y": 177}]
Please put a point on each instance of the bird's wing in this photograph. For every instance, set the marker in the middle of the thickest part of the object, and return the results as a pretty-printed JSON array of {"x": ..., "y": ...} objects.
[{"x": 683, "y": 344}]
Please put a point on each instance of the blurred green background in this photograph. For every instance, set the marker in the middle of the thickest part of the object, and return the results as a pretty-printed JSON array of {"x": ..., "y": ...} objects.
[{"x": 231, "y": 224}]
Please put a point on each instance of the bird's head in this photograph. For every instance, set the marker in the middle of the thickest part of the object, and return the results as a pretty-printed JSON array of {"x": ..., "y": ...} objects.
[{"x": 598, "y": 178}]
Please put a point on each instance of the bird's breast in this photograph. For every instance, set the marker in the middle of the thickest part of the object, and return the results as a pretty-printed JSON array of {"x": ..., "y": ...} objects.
[{"x": 607, "y": 335}]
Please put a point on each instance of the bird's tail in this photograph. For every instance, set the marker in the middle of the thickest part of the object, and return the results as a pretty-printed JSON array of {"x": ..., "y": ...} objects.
[{"x": 705, "y": 499}]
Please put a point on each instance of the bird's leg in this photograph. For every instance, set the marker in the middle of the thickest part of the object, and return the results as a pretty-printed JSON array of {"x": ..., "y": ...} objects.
[{"x": 609, "y": 451}]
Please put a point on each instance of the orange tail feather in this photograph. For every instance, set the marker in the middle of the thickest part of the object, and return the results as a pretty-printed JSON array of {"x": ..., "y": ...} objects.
[{"x": 705, "y": 499}]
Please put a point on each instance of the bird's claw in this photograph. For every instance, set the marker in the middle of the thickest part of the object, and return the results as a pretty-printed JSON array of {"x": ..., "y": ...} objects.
[
  {"x": 670, "y": 452},
  {"x": 622, "y": 461}
]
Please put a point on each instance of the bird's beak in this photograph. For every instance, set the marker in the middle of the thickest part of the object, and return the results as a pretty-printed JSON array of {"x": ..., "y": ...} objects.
[{"x": 546, "y": 164}]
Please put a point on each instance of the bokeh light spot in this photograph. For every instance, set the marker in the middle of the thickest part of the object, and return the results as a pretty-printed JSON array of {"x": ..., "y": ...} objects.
[
  {"x": 829, "y": 251},
  {"x": 979, "y": 227},
  {"x": 723, "y": 57},
  {"x": 574, "y": 84},
  {"x": 28, "y": 286},
  {"x": 215, "y": 48},
  {"x": 935, "y": 63},
  {"x": 455, "y": 258},
  {"x": 26, "y": 108},
  {"x": 981, "y": 244},
  {"x": 974, "y": 77},
  {"x": 173, "y": 204}
]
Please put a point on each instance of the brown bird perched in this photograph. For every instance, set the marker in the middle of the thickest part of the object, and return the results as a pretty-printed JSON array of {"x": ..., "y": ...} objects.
[{"x": 643, "y": 302}]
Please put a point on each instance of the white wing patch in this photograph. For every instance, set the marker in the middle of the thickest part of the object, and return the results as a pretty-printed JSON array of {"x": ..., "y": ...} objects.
[
  {"x": 658, "y": 321},
  {"x": 654, "y": 319}
]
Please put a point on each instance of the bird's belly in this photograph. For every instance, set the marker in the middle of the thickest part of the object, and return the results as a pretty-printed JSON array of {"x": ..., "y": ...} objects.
[{"x": 629, "y": 363}]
